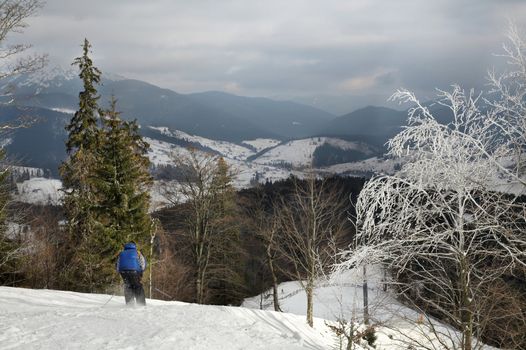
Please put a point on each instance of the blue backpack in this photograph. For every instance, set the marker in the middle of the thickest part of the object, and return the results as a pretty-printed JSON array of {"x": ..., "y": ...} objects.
[{"x": 130, "y": 260}]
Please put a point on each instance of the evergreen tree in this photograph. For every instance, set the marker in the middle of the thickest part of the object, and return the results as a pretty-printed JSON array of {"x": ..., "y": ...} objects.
[
  {"x": 121, "y": 181},
  {"x": 77, "y": 172},
  {"x": 226, "y": 270},
  {"x": 83, "y": 128}
]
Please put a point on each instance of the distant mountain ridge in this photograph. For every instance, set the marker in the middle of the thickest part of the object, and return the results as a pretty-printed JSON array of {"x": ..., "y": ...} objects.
[
  {"x": 285, "y": 118},
  {"x": 219, "y": 117},
  {"x": 371, "y": 124},
  {"x": 214, "y": 115},
  {"x": 42, "y": 145}
]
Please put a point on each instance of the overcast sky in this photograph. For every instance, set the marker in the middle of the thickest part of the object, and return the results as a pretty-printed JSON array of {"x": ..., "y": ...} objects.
[{"x": 282, "y": 47}]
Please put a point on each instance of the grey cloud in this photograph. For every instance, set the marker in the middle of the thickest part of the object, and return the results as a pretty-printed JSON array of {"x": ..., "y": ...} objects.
[{"x": 279, "y": 47}]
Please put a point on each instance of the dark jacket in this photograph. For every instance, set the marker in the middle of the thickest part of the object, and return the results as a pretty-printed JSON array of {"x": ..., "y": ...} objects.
[{"x": 130, "y": 259}]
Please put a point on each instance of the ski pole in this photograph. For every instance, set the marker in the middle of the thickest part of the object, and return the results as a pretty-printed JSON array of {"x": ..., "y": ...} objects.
[{"x": 106, "y": 303}]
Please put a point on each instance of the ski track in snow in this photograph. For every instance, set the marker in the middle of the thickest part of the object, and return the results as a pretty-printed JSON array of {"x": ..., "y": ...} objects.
[{"x": 46, "y": 319}]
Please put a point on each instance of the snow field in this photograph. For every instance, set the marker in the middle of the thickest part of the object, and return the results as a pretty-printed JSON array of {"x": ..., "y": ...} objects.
[
  {"x": 299, "y": 153},
  {"x": 227, "y": 149},
  {"x": 160, "y": 151},
  {"x": 64, "y": 110},
  {"x": 371, "y": 165},
  {"x": 341, "y": 297},
  {"x": 47, "y": 319},
  {"x": 261, "y": 144},
  {"x": 40, "y": 190}
]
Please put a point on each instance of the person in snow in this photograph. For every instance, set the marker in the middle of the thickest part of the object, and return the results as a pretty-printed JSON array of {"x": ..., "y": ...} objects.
[{"x": 131, "y": 264}]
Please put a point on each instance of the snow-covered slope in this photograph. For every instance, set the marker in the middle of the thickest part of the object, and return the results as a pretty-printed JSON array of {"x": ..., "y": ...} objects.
[
  {"x": 341, "y": 297},
  {"x": 161, "y": 153},
  {"x": 261, "y": 144},
  {"x": 267, "y": 167},
  {"x": 372, "y": 165},
  {"x": 299, "y": 153},
  {"x": 227, "y": 149},
  {"x": 49, "y": 76},
  {"x": 40, "y": 190},
  {"x": 64, "y": 110},
  {"x": 45, "y": 319}
]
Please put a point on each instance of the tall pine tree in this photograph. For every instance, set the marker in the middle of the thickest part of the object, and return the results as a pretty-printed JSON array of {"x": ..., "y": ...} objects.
[
  {"x": 121, "y": 183},
  {"x": 226, "y": 284},
  {"x": 77, "y": 172},
  {"x": 106, "y": 182}
]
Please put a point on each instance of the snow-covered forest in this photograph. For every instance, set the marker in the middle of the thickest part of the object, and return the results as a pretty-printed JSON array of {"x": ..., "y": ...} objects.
[{"x": 428, "y": 255}]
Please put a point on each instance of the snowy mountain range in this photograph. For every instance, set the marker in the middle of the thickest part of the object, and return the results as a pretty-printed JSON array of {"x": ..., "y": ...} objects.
[
  {"x": 209, "y": 114},
  {"x": 251, "y": 160},
  {"x": 260, "y": 138},
  {"x": 51, "y": 96},
  {"x": 215, "y": 115}
]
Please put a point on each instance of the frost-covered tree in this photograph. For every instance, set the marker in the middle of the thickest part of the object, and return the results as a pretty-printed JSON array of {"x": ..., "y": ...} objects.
[
  {"x": 13, "y": 14},
  {"x": 508, "y": 101},
  {"x": 10, "y": 249},
  {"x": 439, "y": 225},
  {"x": 13, "y": 61}
]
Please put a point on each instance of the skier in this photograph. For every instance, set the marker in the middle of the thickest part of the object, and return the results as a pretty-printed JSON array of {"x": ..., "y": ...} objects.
[{"x": 131, "y": 264}]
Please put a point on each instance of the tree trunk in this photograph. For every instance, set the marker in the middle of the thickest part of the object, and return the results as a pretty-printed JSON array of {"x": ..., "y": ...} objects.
[
  {"x": 365, "y": 297},
  {"x": 275, "y": 294},
  {"x": 199, "y": 288},
  {"x": 466, "y": 312},
  {"x": 198, "y": 283},
  {"x": 310, "y": 291},
  {"x": 152, "y": 239},
  {"x": 274, "y": 279},
  {"x": 466, "y": 315},
  {"x": 201, "y": 262}
]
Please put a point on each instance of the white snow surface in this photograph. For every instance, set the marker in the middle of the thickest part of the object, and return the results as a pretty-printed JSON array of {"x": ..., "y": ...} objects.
[
  {"x": 55, "y": 76},
  {"x": 261, "y": 144},
  {"x": 373, "y": 165},
  {"x": 32, "y": 172},
  {"x": 64, "y": 110},
  {"x": 47, "y": 319},
  {"x": 299, "y": 153},
  {"x": 160, "y": 151},
  {"x": 39, "y": 190},
  {"x": 341, "y": 297},
  {"x": 227, "y": 149},
  {"x": 5, "y": 141},
  {"x": 44, "y": 77}
]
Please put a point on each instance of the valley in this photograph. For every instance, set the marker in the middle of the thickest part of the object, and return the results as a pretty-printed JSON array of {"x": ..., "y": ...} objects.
[{"x": 252, "y": 134}]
